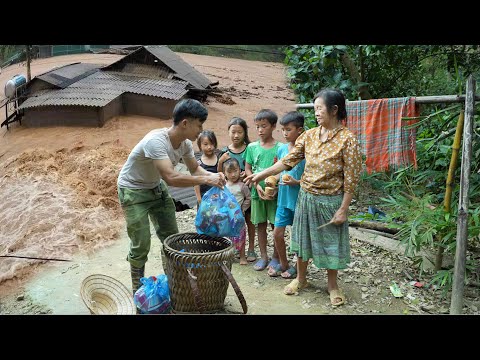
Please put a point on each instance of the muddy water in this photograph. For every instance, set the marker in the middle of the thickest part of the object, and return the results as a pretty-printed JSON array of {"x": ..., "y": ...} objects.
[{"x": 56, "y": 203}]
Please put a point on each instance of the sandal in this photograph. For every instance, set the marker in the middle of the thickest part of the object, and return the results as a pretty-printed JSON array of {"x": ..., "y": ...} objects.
[
  {"x": 275, "y": 271},
  {"x": 294, "y": 287},
  {"x": 337, "y": 294},
  {"x": 273, "y": 263},
  {"x": 260, "y": 265},
  {"x": 251, "y": 256},
  {"x": 290, "y": 273}
]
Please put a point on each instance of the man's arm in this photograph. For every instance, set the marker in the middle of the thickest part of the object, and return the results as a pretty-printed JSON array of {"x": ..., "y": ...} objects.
[
  {"x": 194, "y": 168},
  {"x": 175, "y": 178}
]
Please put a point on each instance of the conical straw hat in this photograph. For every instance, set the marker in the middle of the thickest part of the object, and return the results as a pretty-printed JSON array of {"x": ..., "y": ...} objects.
[{"x": 105, "y": 295}]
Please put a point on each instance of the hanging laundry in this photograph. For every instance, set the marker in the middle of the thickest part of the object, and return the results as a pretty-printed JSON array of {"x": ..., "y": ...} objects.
[{"x": 381, "y": 132}]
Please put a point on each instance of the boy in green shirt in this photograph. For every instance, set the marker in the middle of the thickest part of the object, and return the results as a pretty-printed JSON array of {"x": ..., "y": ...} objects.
[{"x": 260, "y": 155}]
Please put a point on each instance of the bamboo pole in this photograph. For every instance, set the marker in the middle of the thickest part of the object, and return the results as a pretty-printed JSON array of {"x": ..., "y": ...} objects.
[
  {"x": 450, "y": 180},
  {"x": 462, "y": 222},
  {"x": 419, "y": 100}
]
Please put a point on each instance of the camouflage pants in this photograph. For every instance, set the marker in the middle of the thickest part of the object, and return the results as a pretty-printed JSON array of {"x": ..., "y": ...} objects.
[{"x": 138, "y": 206}]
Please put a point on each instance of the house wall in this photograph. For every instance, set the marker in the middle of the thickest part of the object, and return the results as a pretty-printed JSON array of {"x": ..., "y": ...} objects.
[
  {"x": 61, "y": 116},
  {"x": 113, "y": 108},
  {"x": 144, "y": 105}
]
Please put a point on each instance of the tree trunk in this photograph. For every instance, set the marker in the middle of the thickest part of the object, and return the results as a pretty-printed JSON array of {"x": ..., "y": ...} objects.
[
  {"x": 372, "y": 225},
  {"x": 353, "y": 71}
]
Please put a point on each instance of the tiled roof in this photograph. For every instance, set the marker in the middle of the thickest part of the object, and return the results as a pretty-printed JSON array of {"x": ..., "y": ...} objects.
[{"x": 101, "y": 87}]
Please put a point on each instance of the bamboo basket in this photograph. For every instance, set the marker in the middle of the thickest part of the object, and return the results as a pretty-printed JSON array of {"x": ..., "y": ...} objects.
[{"x": 199, "y": 270}]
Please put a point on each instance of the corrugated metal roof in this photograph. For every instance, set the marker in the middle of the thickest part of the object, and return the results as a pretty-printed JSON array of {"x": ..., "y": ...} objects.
[
  {"x": 158, "y": 72},
  {"x": 167, "y": 57},
  {"x": 66, "y": 75},
  {"x": 68, "y": 96},
  {"x": 182, "y": 69},
  {"x": 101, "y": 87}
]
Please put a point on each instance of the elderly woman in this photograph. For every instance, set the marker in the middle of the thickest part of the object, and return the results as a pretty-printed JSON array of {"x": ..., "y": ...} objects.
[{"x": 332, "y": 170}]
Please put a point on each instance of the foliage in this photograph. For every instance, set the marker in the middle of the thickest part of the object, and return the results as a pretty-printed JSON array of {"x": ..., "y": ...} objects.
[
  {"x": 6, "y": 51},
  {"x": 413, "y": 197},
  {"x": 411, "y": 194},
  {"x": 386, "y": 70}
]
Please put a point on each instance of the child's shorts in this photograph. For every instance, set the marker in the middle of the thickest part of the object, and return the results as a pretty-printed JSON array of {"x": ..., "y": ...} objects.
[
  {"x": 283, "y": 217},
  {"x": 263, "y": 211}
]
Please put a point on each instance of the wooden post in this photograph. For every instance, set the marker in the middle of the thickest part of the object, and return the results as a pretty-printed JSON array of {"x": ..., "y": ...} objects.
[
  {"x": 456, "y": 304},
  {"x": 29, "y": 60}
]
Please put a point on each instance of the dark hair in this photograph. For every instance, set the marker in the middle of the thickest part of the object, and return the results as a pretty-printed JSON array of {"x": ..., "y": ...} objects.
[
  {"x": 266, "y": 114},
  {"x": 294, "y": 117},
  {"x": 232, "y": 162},
  {"x": 210, "y": 135},
  {"x": 191, "y": 109},
  {"x": 243, "y": 124},
  {"x": 332, "y": 97}
]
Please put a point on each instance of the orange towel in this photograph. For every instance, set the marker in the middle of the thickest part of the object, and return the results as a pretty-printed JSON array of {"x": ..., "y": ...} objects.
[{"x": 381, "y": 132}]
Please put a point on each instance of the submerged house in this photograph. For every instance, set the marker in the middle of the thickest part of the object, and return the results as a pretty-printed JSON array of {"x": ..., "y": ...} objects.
[{"x": 149, "y": 81}]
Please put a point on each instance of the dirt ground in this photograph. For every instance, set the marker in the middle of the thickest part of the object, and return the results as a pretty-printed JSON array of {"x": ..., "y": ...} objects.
[{"x": 59, "y": 201}]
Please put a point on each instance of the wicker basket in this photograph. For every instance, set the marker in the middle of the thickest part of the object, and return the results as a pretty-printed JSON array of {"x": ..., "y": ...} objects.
[
  {"x": 198, "y": 269},
  {"x": 105, "y": 295}
]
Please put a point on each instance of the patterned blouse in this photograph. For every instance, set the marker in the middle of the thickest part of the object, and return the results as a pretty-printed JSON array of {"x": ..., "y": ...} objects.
[{"x": 332, "y": 166}]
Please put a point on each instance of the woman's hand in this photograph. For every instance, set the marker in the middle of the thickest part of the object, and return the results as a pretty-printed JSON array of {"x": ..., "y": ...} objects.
[
  {"x": 290, "y": 182},
  {"x": 254, "y": 178},
  {"x": 340, "y": 217}
]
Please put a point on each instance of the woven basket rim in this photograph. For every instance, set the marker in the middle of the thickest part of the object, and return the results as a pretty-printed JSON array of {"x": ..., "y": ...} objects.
[
  {"x": 104, "y": 283},
  {"x": 167, "y": 247}
]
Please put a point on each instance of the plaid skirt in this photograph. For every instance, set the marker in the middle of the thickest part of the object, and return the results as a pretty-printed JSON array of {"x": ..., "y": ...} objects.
[{"x": 329, "y": 247}]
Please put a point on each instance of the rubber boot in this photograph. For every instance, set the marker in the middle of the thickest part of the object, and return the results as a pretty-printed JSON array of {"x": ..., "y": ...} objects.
[{"x": 137, "y": 274}]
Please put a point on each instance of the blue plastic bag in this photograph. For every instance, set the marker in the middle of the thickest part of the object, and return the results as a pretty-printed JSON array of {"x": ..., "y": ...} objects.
[
  {"x": 153, "y": 297},
  {"x": 219, "y": 214}
]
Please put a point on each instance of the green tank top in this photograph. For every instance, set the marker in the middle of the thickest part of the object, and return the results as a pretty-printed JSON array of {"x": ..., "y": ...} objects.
[{"x": 239, "y": 156}]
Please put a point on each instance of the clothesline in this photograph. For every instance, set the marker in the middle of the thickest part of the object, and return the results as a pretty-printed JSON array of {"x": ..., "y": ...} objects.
[
  {"x": 383, "y": 128},
  {"x": 419, "y": 100}
]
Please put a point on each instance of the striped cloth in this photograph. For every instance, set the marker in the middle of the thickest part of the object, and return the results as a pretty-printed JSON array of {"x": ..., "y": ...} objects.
[{"x": 381, "y": 133}]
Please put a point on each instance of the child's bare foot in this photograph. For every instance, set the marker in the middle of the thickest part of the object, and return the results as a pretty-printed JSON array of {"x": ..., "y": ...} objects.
[{"x": 243, "y": 261}]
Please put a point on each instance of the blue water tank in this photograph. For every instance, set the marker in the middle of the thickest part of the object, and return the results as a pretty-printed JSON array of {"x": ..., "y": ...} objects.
[{"x": 13, "y": 84}]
